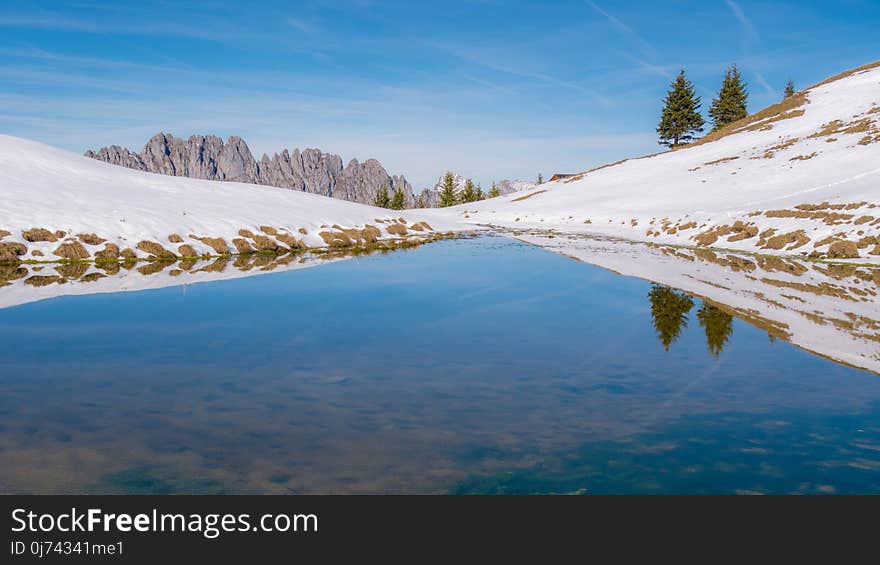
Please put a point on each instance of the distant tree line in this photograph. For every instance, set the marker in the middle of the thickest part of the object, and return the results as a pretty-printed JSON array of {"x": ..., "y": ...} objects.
[{"x": 681, "y": 120}]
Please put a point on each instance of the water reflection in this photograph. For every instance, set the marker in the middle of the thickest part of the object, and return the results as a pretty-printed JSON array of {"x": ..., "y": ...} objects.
[{"x": 481, "y": 365}]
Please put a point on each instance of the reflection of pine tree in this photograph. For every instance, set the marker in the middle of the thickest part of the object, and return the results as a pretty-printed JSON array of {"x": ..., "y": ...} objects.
[
  {"x": 669, "y": 309},
  {"x": 718, "y": 326}
]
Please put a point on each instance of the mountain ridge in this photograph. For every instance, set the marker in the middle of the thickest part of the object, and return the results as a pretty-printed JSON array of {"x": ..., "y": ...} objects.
[{"x": 208, "y": 157}]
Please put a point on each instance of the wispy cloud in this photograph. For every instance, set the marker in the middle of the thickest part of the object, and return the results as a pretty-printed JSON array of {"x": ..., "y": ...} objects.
[
  {"x": 301, "y": 25},
  {"x": 745, "y": 22},
  {"x": 621, "y": 27}
]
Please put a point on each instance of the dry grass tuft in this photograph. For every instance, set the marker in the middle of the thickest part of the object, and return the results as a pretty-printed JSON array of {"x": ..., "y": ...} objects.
[
  {"x": 218, "y": 244},
  {"x": 44, "y": 280},
  {"x": 527, "y": 196},
  {"x": 242, "y": 245},
  {"x": 804, "y": 157},
  {"x": 187, "y": 250},
  {"x": 71, "y": 250},
  {"x": 290, "y": 241},
  {"x": 11, "y": 251},
  {"x": 90, "y": 238},
  {"x": 4, "y": 233},
  {"x": 843, "y": 250},
  {"x": 109, "y": 253},
  {"x": 39, "y": 234},
  {"x": 303, "y": 231},
  {"x": 268, "y": 230},
  {"x": 722, "y": 160},
  {"x": 174, "y": 238},
  {"x": 155, "y": 249},
  {"x": 396, "y": 229}
]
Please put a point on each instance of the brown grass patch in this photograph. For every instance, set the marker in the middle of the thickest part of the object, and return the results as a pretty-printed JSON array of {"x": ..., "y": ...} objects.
[
  {"x": 39, "y": 234},
  {"x": 711, "y": 236},
  {"x": 371, "y": 234},
  {"x": 4, "y": 233},
  {"x": 90, "y": 238},
  {"x": 263, "y": 243},
  {"x": 796, "y": 239},
  {"x": 289, "y": 240},
  {"x": 268, "y": 230},
  {"x": 187, "y": 250},
  {"x": 246, "y": 233},
  {"x": 803, "y": 157},
  {"x": 218, "y": 244},
  {"x": 71, "y": 250},
  {"x": 843, "y": 250},
  {"x": 722, "y": 160},
  {"x": 396, "y": 229},
  {"x": 527, "y": 196},
  {"x": 155, "y": 250},
  {"x": 863, "y": 220},
  {"x": 37, "y": 253},
  {"x": 303, "y": 231},
  {"x": 242, "y": 245},
  {"x": 335, "y": 239},
  {"x": 11, "y": 251},
  {"x": 109, "y": 253},
  {"x": 175, "y": 238},
  {"x": 846, "y": 74}
]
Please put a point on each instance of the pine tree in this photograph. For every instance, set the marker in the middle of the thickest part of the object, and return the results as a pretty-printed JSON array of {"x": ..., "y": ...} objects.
[
  {"x": 540, "y": 178},
  {"x": 447, "y": 192},
  {"x": 494, "y": 192},
  {"x": 681, "y": 114},
  {"x": 717, "y": 324},
  {"x": 467, "y": 193},
  {"x": 420, "y": 201},
  {"x": 398, "y": 201},
  {"x": 381, "y": 198},
  {"x": 479, "y": 194},
  {"x": 789, "y": 89},
  {"x": 669, "y": 310},
  {"x": 732, "y": 101}
]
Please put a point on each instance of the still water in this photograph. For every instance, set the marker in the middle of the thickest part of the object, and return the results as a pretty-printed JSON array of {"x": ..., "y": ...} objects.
[{"x": 468, "y": 366}]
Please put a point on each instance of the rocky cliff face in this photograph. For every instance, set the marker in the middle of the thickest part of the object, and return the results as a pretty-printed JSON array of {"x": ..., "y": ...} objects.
[{"x": 208, "y": 157}]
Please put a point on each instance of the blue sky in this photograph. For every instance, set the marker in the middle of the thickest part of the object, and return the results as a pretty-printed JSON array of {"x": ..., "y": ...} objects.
[{"x": 492, "y": 88}]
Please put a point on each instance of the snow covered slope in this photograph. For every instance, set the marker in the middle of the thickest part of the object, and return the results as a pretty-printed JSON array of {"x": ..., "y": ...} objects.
[
  {"x": 102, "y": 208},
  {"x": 801, "y": 177}
]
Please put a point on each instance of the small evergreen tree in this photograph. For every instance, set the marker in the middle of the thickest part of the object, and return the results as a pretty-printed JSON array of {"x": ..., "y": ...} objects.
[
  {"x": 732, "y": 101},
  {"x": 789, "y": 89},
  {"x": 718, "y": 326},
  {"x": 398, "y": 201},
  {"x": 540, "y": 178},
  {"x": 669, "y": 310},
  {"x": 381, "y": 198},
  {"x": 420, "y": 201},
  {"x": 494, "y": 192},
  {"x": 681, "y": 117},
  {"x": 479, "y": 194},
  {"x": 447, "y": 191},
  {"x": 468, "y": 192}
]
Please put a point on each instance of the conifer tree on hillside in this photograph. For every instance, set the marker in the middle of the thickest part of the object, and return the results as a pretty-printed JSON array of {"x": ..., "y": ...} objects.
[
  {"x": 732, "y": 101},
  {"x": 468, "y": 192},
  {"x": 494, "y": 191},
  {"x": 681, "y": 117},
  {"x": 789, "y": 89},
  {"x": 398, "y": 201},
  {"x": 381, "y": 198},
  {"x": 669, "y": 310},
  {"x": 420, "y": 201},
  {"x": 479, "y": 194},
  {"x": 447, "y": 191},
  {"x": 540, "y": 178},
  {"x": 717, "y": 324}
]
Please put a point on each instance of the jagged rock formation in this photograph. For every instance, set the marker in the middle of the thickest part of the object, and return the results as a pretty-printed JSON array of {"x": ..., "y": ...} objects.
[{"x": 208, "y": 157}]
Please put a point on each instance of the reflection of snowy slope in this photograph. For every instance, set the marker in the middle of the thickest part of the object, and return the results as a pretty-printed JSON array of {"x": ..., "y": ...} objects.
[{"x": 831, "y": 310}]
